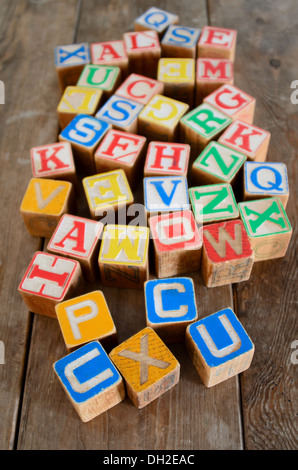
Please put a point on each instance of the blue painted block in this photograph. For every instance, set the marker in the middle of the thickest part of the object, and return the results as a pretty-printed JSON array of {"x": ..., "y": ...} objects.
[
  {"x": 164, "y": 194},
  {"x": 121, "y": 113},
  {"x": 85, "y": 130},
  {"x": 181, "y": 36},
  {"x": 72, "y": 54}
]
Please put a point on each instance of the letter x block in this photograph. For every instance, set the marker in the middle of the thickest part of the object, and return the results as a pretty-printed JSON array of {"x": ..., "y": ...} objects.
[
  {"x": 180, "y": 41},
  {"x": 78, "y": 100},
  {"x": 212, "y": 74},
  {"x": 143, "y": 50},
  {"x": 70, "y": 60},
  {"x": 178, "y": 78},
  {"x": 105, "y": 77},
  {"x": 217, "y": 43},
  {"x": 49, "y": 280},
  {"x": 219, "y": 347},
  {"x": 54, "y": 161},
  {"x": 90, "y": 380},
  {"x": 164, "y": 158},
  {"x": 121, "y": 113},
  {"x": 110, "y": 53},
  {"x": 163, "y": 194},
  {"x": 148, "y": 367},
  {"x": 227, "y": 253},
  {"x": 268, "y": 227},
  {"x": 139, "y": 88},
  {"x": 155, "y": 19}
]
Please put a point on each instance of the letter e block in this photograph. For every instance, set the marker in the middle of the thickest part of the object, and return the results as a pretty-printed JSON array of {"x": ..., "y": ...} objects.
[
  {"x": 164, "y": 158},
  {"x": 155, "y": 19},
  {"x": 70, "y": 60},
  {"x": 77, "y": 100},
  {"x": 54, "y": 161},
  {"x": 178, "y": 78},
  {"x": 180, "y": 41},
  {"x": 217, "y": 43},
  {"x": 212, "y": 74}
]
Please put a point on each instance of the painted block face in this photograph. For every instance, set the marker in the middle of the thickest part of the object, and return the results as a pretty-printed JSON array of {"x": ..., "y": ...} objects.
[
  {"x": 148, "y": 367},
  {"x": 213, "y": 203},
  {"x": 70, "y": 59},
  {"x": 267, "y": 226},
  {"x": 211, "y": 74},
  {"x": 217, "y": 43},
  {"x": 166, "y": 159},
  {"x": 78, "y": 100},
  {"x": 139, "y": 88},
  {"x": 163, "y": 194},
  {"x": 155, "y": 19},
  {"x": 121, "y": 113},
  {"x": 110, "y": 53},
  {"x": 180, "y": 41},
  {"x": 86, "y": 318},
  {"x": 143, "y": 50},
  {"x": 104, "y": 77},
  {"x": 178, "y": 78},
  {"x": 53, "y": 161},
  {"x": 219, "y": 347},
  {"x": 90, "y": 380}
]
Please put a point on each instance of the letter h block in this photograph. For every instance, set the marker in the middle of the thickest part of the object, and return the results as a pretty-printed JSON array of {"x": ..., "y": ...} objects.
[
  {"x": 70, "y": 60},
  {"x": 166, "y": 159}
]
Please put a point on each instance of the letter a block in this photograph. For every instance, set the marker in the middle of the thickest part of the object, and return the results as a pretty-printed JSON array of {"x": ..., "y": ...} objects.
[
  {"x": 54, "y": 161},
  {"x": 268, "y": 227},
  {"x": 164, "y": 158},
  {"x": 178, "y": 78},
  {"x": 219, "y": 347},
  {"x": 70, "y": 60},
  {"x": 212, "y": 74},
  {"x": 77, "y": 100},
  {"x": 110, "y": 53},
  {"x": 86, "y": 318},
  {"x": 148, "y": 367},
  {"x": 105, "y": 77},
  {"x": 170, "y": 307},
  {"x": 217, "y": 43},
  {"x": 139, "y": 88},
  {"x": 180, "y": 41},
  {"x": 144, "y": 51},
  {"x": 155, "y": 19},
  {"x": 49, "y": 280},
  {"x": 227, "y": 253},
  {"x": 163, "y": 194},
  {"x": 121, "y": 113},
  {"x": 123, "y": 256},
  {"x": 90, "y": 380}
]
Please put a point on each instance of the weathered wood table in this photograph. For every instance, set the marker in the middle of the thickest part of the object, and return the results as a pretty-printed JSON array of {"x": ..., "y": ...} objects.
[{"x": 256, "y": 410}]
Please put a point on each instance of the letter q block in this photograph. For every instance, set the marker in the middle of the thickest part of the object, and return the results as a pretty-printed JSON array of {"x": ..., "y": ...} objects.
[{"x": 155, "y": 19}]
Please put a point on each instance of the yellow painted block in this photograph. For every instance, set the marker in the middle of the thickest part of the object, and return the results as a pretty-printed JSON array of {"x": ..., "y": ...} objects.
[
  {"x": 174, "y": 70},
  {"x": 78, "y": 100}
]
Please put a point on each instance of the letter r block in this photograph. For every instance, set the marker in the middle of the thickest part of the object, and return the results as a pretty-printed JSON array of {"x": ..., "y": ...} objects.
[
  {"x": 217, "y": 43},
  {"x": 70, "y": 60}
]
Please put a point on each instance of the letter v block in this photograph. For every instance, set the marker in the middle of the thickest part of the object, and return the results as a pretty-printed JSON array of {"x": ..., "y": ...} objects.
[
  {"x": 77, "y": 100},
  {"x": 148, "y": 367},
  {"x": 53, "y": 161},
  {"x": 144, "y": 51},
  {"x": 219, "y": 347},
  {"x": 105, "y": 77},
  {"x": 90, "y": 380},
  {"x": 165, "y": 158},
  {"x": 70, "y": 60},
  {"x": 227, "y": 254},
  {"x": 163, "y": 194}
]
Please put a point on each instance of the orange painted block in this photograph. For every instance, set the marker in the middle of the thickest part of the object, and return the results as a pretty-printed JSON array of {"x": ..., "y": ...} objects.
[
  {"x": 143, "y": 50},
  {"x": 139, "y": 88},
  {"x": 212, "y": 74},
  {"x": 78, "y": 100},
  {"x": 110, "y": 53},
  {"x": 217, "y": 42}
]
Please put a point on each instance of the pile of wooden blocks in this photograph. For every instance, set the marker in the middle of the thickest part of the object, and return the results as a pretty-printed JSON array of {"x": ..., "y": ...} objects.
[{"x": 158, "y": 105}]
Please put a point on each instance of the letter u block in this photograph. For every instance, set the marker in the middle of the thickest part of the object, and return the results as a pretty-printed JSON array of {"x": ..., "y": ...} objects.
[
  {"x": 217, "y": 43},
  {"x": 155, "y": 19},
  {"x": 105, "y": 77},
  {"x": 212, "y": 74},
  {"x": 121, "y": 113},
  {"x": 144, "y": 51},
  {"x": 110, "y": 53},
  {"x": 178, "y": 78},
  {"x": 165, "y": 158},
  {"x": 78, "y": 100},
  {"x": 54, "y": 161},
  {"x": 90, "y": 380},
  {"x": 70, "y": 60},
  {"x": 180, "y": 41}
]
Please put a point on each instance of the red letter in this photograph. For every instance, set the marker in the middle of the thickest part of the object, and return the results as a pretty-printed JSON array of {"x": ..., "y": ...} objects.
[
  {"x": 53, "y": 157},
  {"x": 79, "y": 238},
  {"x": 237, "y": 97},
  {"x": 244, "y": 137},
  {"x": 160, "y": 155}
]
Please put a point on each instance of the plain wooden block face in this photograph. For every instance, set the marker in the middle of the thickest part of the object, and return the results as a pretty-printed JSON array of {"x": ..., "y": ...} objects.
[
  {"x": 164, "y": 158},
  {"x": 217, "y": 42},
  {"x": 143, "y": 50},
  {"x": 70, "y": 60},
  {"x": 78, "y": 238},
  {"x": 248, "y": 139},
  {"x": 110, "y": 53},
  {"x": 177, "y": 243},
  {"x": 44, "y": 203},
  {"x": 121, "y": 113},
  {"x": 86, "y": 318},
  {"x": 53, "y": 161},
  {"x": 139, "y": 88},
  {"x": 178, "y": 78},
  {"x": 105, "y": 77},
  {"x": 163, "y": 194},
  {"x": 267, "y": 226},
  {"x": 155, "y": 19},
  {"x": 219, "y": 347},
  {"x": 227, "y": 254},
  {"x": 211, "y": 74},
  {"x": 148, "y": 367},
  {"x": 180, "y": 41},
  {"x": 90, "y": 380},
  {"x": 48, "y": 280},
  {"x": 213, "y": 203},
  {"x": 78, "y": 100},
  {"x": 123, "y": 256}
]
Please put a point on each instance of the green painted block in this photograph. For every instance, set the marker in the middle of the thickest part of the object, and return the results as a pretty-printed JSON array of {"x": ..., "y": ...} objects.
[
  {"x": 104, "y": 77},
  {"x": 206, "y": 121}
]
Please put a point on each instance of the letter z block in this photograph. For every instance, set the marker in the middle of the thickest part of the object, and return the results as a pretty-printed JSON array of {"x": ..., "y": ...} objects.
[
  {"x": 70, "y": 60},
  {"x": 180, "y": 41},
  {"x": 217, "y": 43},
  {"x": 121, "y": 113},
  {"x": 90, "y": 380},
  {"x": 211, "y": 74},
  {"x": 164, "y": 158},
  {"x": 139, "y": 88},
  {"x": 144, "y": 51},
  {"x": 178, "y": 78},
  {"x": 77, "y": 100},
  {"x": 105, "y": 77},
  {"x": 148, "y": 367},
  {"x": 155, "y": 19},
  {"x": 110, "y": 53},
  {"x": 163, "y": 194},
  {"x": 54, "y": 161},
  {"x": 219, "y": 347}
]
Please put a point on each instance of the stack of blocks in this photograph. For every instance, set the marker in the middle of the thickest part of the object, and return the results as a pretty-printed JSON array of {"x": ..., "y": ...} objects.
[{"x": 158, "y": 106}]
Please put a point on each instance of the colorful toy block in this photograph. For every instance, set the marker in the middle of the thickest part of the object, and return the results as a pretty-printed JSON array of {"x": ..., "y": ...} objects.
[
  {"x": 268, "y": 179},
  {"x": 78, "y": 238},
  {"x": 178, "y": 78},
  {"x": 248, "y": 139},
  {"x": 219, "y": 43},
  {"x": 210, "y": 75},
  {"x": 143, "y": 50},
  {"x": 180, "y": 41},
  {"x": 219, "y": 347},
  {"x": 86, "y": 318},
  {"x": 177, "y": 243},
  {"x": 44, "y": 203},
  {"x": 155, "y": 19},
  {"x": 123, "y": 256},
  {"x": 148, "y": 367},
  {"x": 70, "y": 60},
  {"x": 90, "y": 380},
  {"x": 77, "y": 100},
  {"x": 105, "y": 77},
  {"x": 163, "y": 194},
  {"x": 213, "y": 203},
  {"x": 159, "y": 119},
  {"x": 170, "y": 307},
  {"x": 110, "y": 53},
  {"x": 166, "y": 159},
  {"x": 227, "y": 253},
  {"x": 267, "y": 226},
  {"x": 121, "y": 113},
  {"x": 139, "y": 88},
  {"x": 53, "y": 161},
  {"x": 49, "y": 279},
  {"x": 120, "y": 149}
]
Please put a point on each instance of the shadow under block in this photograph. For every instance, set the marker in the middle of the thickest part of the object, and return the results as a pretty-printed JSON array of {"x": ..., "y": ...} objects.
[
  {"x": 70, "y": 60},
  {"x": 211, "y": 74},
  {"x": 219, "y": 347},
  {"x": 166, "y": 159},
  {"x": 78, "y": 238},
  {"x": 163, "y": 194},
  {"x": 49, "y": 279},
  {"x": 139, "y": 88},
  {"x": 121, "y": 113},
  {"x": 178, "y": 78},
  {"x": 54, "y": 161},
  {"x": 177, "y": 243},
  {"x": 123, "y": 257},
  {"x": 180, "y": 41},
  {"x": 144, "y": 51},
  {"x": 105, "y": 77},
  {"x": 155, "y": 19},
  {"x": 217, "y": 43},
  {"x": 110, "y": 53},
  {"x": 148, "y": 367},
  {"x": 170, "y": 307},
  {"x": 86, "y": 318},
  {"x": 44, "y": 203},
  {"x": 227, "y": 254},
  {"x": 90, "y": 380},
  {"x": 77, "y": 100},
  {"x": 267, "y": 226}
]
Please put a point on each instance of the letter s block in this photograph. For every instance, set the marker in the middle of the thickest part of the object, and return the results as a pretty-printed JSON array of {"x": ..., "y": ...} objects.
[
  {"x": 180, "y": 41},
  {"x": 121, "y": 113}
]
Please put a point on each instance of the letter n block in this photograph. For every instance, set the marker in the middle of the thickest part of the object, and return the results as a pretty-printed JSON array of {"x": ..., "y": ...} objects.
[
  {"x": 180, "y": 41},
  {"x": 54, "y": 161},
  {"x": 78, "y": 100},
  {"x": 48, "y": 280},
  {"x": 219, "y": 347},
  {"x": 139, "y": 88},
  {"x": 178, "y": 78},
  {"x": 105, "y": 77},
  {"x": 90, "y": 380},
  {"x": 163, "y": 194},
  {"x": 110, "y": 53},
  {"x": 217, "y": 43},
  {"x": 165, "y": 158},
  {"x": 121, "y": 113},
  {"x": 155, "y": 19},
  {"x": 144, "y": 51},
  {"x": 148, "y": 367},
  {"x": 211, "y": 74},
  {"x": 70, "y": 60}
]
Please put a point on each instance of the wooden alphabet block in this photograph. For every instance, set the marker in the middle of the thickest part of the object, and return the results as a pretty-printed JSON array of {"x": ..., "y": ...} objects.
[
  {"x": 123, "y": 256},
  {"x": 148, "y": 367},
  {"x": 268, "y": 179},
  {"x": 143, "y": 50},
  {"x": 219, "y": 43},
  {"x": 267, "y": 226},
  {"x": 90, "y": 380},
  {"x": 212, "y": 74},
  {"x": 121, "y": 113},
  {"x": 159, "y": 119},
  {"x": 178, "y": 78},
  {"x": 227, "y": 253},
  {"x": 163, "y": 194},
  {"x": 105, "y": 77},
  {"x": 78, "y": 100},
  {"x": 48, "y": 280},
  {"x": 166, "y": 159},
  {"x": 70, "y": 60},
  {"x": 219, "y": 347},
  {"x": 248, "y": 139},
  {"x": 86, "y": 318},
  {"x": 155, "y": 19},
  {"x": 139, "y": 88},
  {"x": 180, "y": 41},
  {"x": 78, "y": 238},
  {"x": 170, "y": 307},
  {"x": 54, "y": 161},
  {"x": 44, "y": 203},
  {"x": 213, "y": 203},
  {"x": 110, "y": 53},
  {"x": 177, "y": 243}
]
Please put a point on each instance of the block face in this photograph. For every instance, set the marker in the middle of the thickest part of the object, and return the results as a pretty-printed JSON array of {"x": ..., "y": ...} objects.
[
  {"x": 155, "y": 19},
  {"x": 78, "y": 100},
  {"x": 72, "y": 54},
  {"x": 165, "y": 158},
  {"x": 121, "y": 113},
  {"x": 178, "y": 77},
  {"x": 52, "y": 160},
  {"x": 139, "y": 88},
  {"x": 211, "y": 74},
  {"x": 206, "y": 121},
  {"x": 165, "y": 194},
  {"x": 180, "y": 41},
  {"x": 104, "y": 77},
  {"x": 217, "y": 42},
  {"x": 110, "y": 53}
]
